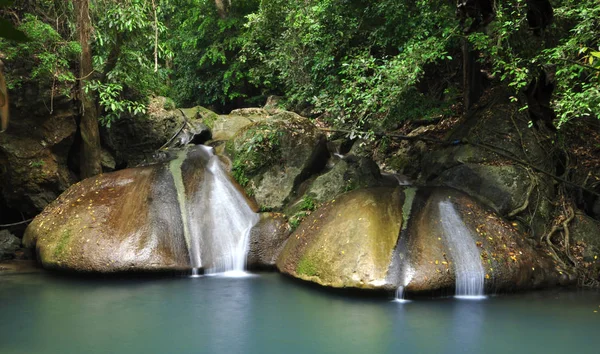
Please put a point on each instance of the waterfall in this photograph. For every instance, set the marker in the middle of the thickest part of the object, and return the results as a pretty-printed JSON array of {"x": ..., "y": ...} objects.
[
  {"x": 217, "y": 218},
  {"x": 468, "y": 269}
]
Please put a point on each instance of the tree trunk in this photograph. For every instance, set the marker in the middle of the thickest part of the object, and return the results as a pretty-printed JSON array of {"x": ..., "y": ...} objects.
[
  {"x": 222, "y": 8},
  {"x": 472, "y": 77},
  {"x": 90, "y": 159}
]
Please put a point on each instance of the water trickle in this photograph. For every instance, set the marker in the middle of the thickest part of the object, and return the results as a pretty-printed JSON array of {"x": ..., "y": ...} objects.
[
  {"x": 400, "y": 295},
  {"x": 217, "y": 218},
  {"x": 468, "y": 269},
  {"x": 175, "y": 168}
]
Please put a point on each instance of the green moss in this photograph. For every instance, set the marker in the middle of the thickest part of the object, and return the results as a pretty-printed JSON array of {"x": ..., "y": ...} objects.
[
  {"x": 398, "y": 163},
  {"x": 61, "y": 246},
  {"x": 254, "y": 148},
  {"x": 308, "y": 203},
  {"x": 169, "y": 104},
  {"x": 306, "y": 267},
  {"x": 210, "y": 119}
]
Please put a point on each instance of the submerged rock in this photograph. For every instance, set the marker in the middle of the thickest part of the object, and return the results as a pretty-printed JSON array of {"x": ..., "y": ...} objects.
[
  {"x": 383, "y": 238},
  {"x": 132, "y": 220}
]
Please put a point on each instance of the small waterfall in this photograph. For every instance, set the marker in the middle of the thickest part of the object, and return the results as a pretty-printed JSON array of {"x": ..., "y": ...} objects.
[
  {"x": 216, "y": 217},
  {"x": 400, "y": 295},
  {"x": 228, "y": 219},
  {"x": 468, "y": 269}
]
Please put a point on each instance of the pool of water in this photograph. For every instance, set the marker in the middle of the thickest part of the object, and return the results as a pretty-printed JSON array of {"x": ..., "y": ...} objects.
[{"x": 45, "y": 313}]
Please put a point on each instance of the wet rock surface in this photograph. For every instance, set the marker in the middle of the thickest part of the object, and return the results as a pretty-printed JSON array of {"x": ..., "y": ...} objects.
[
  {"x": 383, "y": 238},
  {"x": 267, "y": 240}
]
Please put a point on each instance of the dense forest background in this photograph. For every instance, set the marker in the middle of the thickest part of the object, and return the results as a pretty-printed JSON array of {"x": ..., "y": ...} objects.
[
  {"x": 360, "y": 65},
  {"x": 455, "y": 93}
]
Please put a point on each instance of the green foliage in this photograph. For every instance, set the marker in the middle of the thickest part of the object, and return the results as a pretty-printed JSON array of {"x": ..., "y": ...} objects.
[
  {"x": 47, "y": 55},
  {"x": 169, "y": 104},
  {"x": 295, "y": 220},
  {"x": 260, "y": 147},
  {"x": 124, "y": 56},
  {"x": 210, "y": 68},
  {"x": 308, "y": 203},
  {"x": 356, "y": 61},
  {"x": 571, "y": 44}
]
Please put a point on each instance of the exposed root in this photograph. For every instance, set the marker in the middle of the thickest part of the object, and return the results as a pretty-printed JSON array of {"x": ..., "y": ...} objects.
[{"x": 533, "y": 182}]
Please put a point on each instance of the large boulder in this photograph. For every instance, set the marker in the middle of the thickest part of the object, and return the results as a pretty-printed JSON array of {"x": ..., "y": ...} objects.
[
  {"x": 348, "y": 241},
  {"x": 132, "y": 220},
  {"x": 225, "y": 127},
  {"x": 384, "y": 238},
  {"x": 347, "y": 174},
  {"x": 271, "y": 158}
]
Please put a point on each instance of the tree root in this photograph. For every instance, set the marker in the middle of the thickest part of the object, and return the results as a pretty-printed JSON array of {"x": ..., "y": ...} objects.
[{"x": 533, "y": 183}]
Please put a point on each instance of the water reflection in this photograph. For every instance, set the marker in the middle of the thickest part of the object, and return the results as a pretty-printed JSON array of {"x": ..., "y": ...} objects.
[{"x": 265, "y": 314}]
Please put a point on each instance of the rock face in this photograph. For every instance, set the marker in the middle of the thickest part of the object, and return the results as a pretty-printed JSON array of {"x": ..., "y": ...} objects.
[
  {"x": 486, "y": 176},
  {"x": 33, "y": 153},
  {"x": 272, "y": 157},
  {"x": 130, "y": 220},
  {"x": 133, "y": 140},
  {"x": 347, "y": 174},
  {"x": 383, "y": 238},
  {"x": 9, "y": 244}
]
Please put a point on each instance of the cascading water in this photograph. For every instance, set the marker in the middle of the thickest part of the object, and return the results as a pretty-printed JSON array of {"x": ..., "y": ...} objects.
[
  {"x": 468, "y": 269},
  {"x": 217, "y": 218}
]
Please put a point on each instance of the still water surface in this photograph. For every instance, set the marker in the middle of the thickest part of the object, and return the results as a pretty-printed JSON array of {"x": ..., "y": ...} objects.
[{"x": 44, "y": 313}]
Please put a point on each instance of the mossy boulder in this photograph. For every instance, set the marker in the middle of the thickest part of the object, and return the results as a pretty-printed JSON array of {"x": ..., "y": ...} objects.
[
  {"x": 119, "y": 221},
  {"x": 272, "y": 157},
  {"x": 225, "y": 127},
  {"x": 383, "y": 238},
  {"x": 347, "y": 242}
]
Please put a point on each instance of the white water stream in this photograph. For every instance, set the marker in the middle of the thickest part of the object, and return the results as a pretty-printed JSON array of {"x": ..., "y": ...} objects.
[
  {"x": 468, "y": 269},
  {"x": 217, "y": 218}
]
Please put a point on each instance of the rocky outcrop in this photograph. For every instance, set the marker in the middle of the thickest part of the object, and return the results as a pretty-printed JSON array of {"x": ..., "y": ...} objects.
[
  {"x": 383, "y": 238},
  {"x": 134, "y": 139},
  {"x": 34, "y": 152},
  {"x": 476, "y": 169},
  {"x": 271, "y": 158}
]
